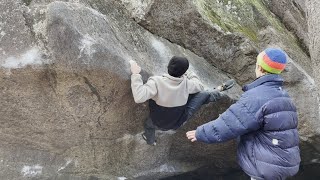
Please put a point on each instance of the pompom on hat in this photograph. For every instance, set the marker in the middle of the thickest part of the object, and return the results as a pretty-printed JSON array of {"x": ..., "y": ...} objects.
[{"x": 272, "y": 60}]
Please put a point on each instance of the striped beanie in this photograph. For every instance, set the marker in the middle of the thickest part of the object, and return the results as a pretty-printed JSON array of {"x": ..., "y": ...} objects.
[{"x": 272, "y": 60}]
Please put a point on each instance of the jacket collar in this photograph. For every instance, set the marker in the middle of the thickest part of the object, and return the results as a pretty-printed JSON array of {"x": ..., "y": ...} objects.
[
  {"x": 179, "y": 79},
  {"x": 274, "y": 79}
]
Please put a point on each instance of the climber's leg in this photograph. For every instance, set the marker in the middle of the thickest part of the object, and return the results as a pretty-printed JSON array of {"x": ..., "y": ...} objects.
[
  {"x": 195, "y": 101},
  {"x": 149, "y": 131}
]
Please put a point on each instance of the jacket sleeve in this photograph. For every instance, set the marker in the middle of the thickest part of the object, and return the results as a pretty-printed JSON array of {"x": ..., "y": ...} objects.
[
  {"x": 142, "y": 92},
  {"x": 194, "y": 83},
  {"x": 235, "y": 121}
]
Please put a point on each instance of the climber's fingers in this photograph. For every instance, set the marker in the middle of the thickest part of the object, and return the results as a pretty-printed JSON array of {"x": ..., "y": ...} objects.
[{"x": 135, "y": 68}]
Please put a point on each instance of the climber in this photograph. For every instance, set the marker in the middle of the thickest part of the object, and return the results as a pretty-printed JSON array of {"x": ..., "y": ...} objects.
[
  {"x": 173, "y": 97},
  {"x": 264, "y": 120}
]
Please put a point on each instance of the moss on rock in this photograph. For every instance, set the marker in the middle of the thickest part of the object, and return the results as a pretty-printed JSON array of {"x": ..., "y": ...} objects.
[{"x": 244, "y": 16}]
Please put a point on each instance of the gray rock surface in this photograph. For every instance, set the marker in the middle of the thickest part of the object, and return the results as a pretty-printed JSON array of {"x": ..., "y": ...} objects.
[
  {"x": 229, "y": 34},
  {"x": 14, "y": 29},
  {"x": 293, "y": 15},
  {"x": 67, "y": 110},
  {"x": 314, "y": 46},
  {"x": 183, "y": 22}
]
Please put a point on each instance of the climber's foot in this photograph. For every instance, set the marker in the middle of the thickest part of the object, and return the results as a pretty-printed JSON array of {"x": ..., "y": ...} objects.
[{"x": 145, "y": 138}]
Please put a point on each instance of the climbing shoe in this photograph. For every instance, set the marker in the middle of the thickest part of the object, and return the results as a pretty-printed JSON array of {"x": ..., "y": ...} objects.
[
  {"x": 145, "y": 138},
  {"x": 227, "y": 85}
]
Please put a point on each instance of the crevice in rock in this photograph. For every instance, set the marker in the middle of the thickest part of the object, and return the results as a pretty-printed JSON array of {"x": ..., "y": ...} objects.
[
  {"x": 27, "y": 2},
  {"x": 94, "y": 151},
  {"x": 300, "y": 41},
  {"x": 92, "y": 88},
  {"x": 299, "y": 9},
  {"x": 38, "y": 38},
  {"x": 29, "y": 23},
  {"x": 102, "y": 100},
  {"x": 51, "y": 76},
  {"x": 303, "y": 46}
]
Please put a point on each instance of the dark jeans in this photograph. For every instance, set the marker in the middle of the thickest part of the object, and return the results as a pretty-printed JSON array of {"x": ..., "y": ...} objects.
[{"x": 194, "y": 103}]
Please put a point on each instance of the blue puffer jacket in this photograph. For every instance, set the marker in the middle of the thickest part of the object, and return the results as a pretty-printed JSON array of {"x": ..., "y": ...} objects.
[{"x": 266, "y": 120}]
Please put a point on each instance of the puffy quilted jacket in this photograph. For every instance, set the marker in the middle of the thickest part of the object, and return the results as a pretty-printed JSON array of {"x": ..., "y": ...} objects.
[{"x": 265, "y": 120}]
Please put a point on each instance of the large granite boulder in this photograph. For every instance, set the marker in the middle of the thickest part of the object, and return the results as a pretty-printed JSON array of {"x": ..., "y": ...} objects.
[
  {"x": 293, "y": 15},
  {"x": 229, "y": 34},
  {"x": 67, "y": 109},
  {"x": 314, "y": 46}
]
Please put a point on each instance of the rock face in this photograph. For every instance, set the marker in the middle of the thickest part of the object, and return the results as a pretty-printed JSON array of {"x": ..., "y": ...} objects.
[
  {"x": 228, "y": 34},
  {"x": 293, "y": 15},
  {"x": 67, "y": 110},
  {"x": 314, "y": 28}
]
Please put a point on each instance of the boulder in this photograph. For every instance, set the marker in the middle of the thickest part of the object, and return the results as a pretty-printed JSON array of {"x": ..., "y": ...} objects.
[
  {"x": 229, "y": 35},
  {"x": 67, "y": 108}
]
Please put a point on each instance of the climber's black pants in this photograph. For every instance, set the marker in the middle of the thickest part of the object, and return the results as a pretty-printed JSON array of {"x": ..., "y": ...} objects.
[{"x": 194, "y": 103}]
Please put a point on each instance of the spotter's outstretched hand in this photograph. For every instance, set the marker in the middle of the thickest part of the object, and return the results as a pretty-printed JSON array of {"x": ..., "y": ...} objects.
[{"x": 192, "y": 135}]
